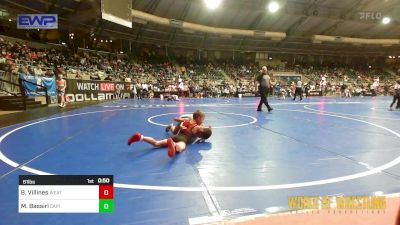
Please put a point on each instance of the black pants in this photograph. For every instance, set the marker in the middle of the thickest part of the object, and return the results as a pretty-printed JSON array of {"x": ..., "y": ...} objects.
[
  {"x": 396, "y": 97},
  {"x": 263, "y": 93},
  {"x": 298, "y": 91}
]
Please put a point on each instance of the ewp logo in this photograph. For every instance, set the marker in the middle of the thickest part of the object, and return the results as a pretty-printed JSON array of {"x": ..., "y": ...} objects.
[{"x": 37, "y": 21}]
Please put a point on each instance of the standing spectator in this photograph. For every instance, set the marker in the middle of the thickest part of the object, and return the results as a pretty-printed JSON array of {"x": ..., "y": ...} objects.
[
  {"x": 306, "y": 89},
  {"x": 145, "y": 90},
  {"x": 264, "y": 82},
  {"x": 61, "y": 86},
  {"x": 396, "y": 95},
  {"x": 138, "y": 87},
  {"x": 343, "y": 88},
  {"x": 133, "y": 91}
]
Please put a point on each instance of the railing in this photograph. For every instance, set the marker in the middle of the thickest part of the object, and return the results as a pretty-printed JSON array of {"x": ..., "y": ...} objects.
[
  {"x": 23, "y": 90},
  {"x": 2, "y": 87},
  {"x": 22, "y": 93}
]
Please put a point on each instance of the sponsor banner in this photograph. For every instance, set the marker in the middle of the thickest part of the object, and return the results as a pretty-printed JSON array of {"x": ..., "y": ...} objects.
[
  {"x": 88, "y": 86},
  {"x": 33, "y": 90},
  {"x": 287, "y": 77},
  {"x": 165, "y": 93},
  {"x": 369, "y": 93},
  {"x": 246, "y": 94},
  {"x": 37, "y": 21},
  {"x": 80, "y": 97},
  {"x": 314, "y": 93},
  {"x": 87, "y": 90}
]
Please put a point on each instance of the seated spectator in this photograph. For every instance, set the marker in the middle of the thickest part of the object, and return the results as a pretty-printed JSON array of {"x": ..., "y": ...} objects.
[
  {"x": 128, "y": 80},
  {"x": 78, "y": 76},
  {"x": 23, "y": 71},
  {"x": 95, "y": 76},
  {"x": 49, "y": 73},
  {"x": 30, "y": 70},
  {"x": 109, "y": 78},
  {"x": 38, "y": 70}
]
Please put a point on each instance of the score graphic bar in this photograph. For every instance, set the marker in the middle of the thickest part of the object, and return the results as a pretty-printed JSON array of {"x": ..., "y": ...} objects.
[{"x": 66, "y": 194}]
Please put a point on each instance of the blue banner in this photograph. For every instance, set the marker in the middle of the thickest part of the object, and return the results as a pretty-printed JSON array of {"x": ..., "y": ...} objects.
[
  {"x": 37, "y": 21},
  {"x": 34, "y": 90}
]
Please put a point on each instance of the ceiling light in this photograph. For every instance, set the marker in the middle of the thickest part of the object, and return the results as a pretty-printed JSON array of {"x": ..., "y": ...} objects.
[
  {"x": 386, "y": 20},
  {"x": 212, "y": 4},
  {"x": 273, "y": 7}
]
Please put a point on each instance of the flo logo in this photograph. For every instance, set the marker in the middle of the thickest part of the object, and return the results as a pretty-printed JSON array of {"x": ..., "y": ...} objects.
[
  {"x": 370, "y": 15},
  {"x": 37, "y": 21}
]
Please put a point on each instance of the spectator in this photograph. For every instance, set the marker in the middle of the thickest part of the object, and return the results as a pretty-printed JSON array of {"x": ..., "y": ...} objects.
[
  {"x": 49, "y": 73},
  {"x": 38, "y": 70},
  {"x": 95, "y": 76},
  {"x": 108, "y": 78}
]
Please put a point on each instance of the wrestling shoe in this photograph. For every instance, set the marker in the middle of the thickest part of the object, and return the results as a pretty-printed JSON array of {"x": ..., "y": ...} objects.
[
  {"x": 171, "y": 147},
  {"x": 136, "y": 137}
]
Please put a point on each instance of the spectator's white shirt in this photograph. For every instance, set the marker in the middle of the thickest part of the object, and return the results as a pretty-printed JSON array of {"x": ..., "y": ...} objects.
[
  {"x": 38, "y": 72},
  {"x": 180, "y": 86},
  {"x": 299, "y": 84},
  {"x": 145, "y": 87},
  {"x": 323, "y": 81}
]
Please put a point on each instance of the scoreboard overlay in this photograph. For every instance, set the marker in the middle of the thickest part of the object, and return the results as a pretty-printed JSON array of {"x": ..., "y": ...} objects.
[{"x": 66, "y": 194}]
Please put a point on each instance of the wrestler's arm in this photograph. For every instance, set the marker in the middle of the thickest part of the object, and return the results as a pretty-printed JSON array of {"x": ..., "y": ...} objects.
[{"x": 180, "y": 120}]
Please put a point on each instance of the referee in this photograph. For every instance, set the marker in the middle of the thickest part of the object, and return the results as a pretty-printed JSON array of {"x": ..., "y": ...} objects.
[
  {"x": 264, "y": 84},
  {"x": 396, "y": 96},
  {"x": 299, "y": 90}
]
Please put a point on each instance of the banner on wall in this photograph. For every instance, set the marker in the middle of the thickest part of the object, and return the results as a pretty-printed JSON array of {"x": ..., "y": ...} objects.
[
  {"x": 246, "y": 94},
  {"x": 314, "y": 93},
  {"x": 89, "y": 90},
  {"x": 33, "y": 90},
  {"x": 288, "y": 77}
]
